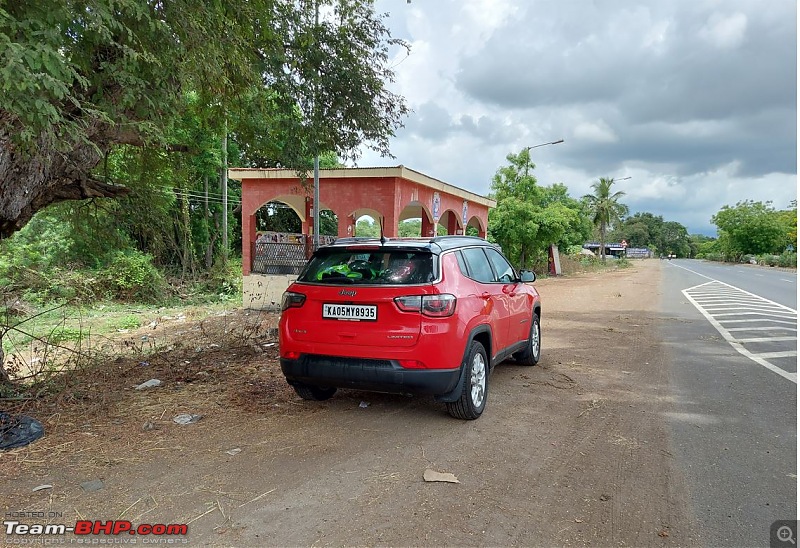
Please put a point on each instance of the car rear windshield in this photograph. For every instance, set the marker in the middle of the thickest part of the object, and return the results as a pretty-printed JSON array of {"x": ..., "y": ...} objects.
[{"x": 370, "y": 267}]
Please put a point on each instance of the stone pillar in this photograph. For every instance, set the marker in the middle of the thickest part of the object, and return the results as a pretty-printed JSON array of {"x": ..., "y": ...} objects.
[
  {"x": 427, "y": 227},
  {"x": 452, "y": 223},
  {"x": 346, "y": 226},
  {"x": 248, "y": 239}
]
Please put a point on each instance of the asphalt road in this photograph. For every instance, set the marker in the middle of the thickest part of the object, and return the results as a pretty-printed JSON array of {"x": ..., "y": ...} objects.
[{"x": 730, "y": 335}]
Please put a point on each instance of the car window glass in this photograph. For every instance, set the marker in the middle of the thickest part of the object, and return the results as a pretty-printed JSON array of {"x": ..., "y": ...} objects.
[
  {"x": 478, "y": 265},
  {"x": 343, "y": 266},
  {"x": 505, "y": 272},
  {"x": 461, "y": 264}
]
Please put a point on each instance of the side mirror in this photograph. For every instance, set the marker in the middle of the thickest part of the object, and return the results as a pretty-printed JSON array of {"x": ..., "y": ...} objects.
[{"x": 526, "y": 276}]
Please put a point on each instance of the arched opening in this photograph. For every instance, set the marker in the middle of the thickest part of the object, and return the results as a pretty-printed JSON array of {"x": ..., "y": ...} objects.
[
  {"x": 328, "y": 225},
  {"x": 475, "y": 228},
  {"x": 279, "y": 216},
  {"x": 416, "y": 221},
  {"x": 368, "y": 223},
  {"x": 451, "y": 222}
]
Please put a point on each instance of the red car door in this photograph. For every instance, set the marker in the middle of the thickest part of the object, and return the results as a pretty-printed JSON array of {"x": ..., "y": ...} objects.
[
  {"x": 517, "y": 300},
  {"x": 491, "y": 291}
]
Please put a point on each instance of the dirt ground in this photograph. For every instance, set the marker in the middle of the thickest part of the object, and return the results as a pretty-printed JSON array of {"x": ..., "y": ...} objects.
[{"x": 573, "y": 452}]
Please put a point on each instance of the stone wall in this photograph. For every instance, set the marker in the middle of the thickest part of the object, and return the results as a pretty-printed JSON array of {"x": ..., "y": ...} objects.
[{"x": 263, "y": 291}]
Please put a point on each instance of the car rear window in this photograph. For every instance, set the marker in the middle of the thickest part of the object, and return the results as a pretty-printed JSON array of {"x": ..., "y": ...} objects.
[{"x": 368, "y": 267}]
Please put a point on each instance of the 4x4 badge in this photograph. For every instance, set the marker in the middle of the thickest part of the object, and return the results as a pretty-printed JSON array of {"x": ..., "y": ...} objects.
[{"x": 348, "y": 292}]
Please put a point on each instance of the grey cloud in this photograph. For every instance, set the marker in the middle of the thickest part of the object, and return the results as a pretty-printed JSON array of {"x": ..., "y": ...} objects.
[
  {"x": 431, "y": 121},
  {"x": 574, "y": 60}
]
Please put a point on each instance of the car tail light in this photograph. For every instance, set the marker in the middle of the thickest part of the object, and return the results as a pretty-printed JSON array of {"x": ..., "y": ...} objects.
[
  {"x": 291, "y": 355},
  {"x": 291, "y": 299},
  {"x": 412, "y": 303},
  {"x": 436, "y": 306},
  {"x": 439, "y": 306}
]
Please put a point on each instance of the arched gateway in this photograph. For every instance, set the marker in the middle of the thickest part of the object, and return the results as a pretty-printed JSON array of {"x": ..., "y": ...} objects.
[{"x": 271, "y": 260}]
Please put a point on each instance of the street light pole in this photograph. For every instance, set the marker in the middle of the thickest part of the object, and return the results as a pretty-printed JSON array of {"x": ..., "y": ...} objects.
[
  {"x": 545, "y": 144},
  {"x": 315, "y": 238},
  {"x": 528, "y": 161}
]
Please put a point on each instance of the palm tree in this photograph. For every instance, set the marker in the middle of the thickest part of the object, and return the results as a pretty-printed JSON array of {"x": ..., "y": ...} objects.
[{"x": 606, "y": 209}]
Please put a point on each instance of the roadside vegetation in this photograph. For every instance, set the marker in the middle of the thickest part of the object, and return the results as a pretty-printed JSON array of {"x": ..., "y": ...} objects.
[{"x": 753, "y": 232}]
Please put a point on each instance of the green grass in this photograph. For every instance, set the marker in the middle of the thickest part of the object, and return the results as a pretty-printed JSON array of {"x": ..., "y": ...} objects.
[{"x": 73, "y": 325}]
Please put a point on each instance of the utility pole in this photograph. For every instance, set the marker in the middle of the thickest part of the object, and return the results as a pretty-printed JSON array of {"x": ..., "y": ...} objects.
[
  {"x": 225, "y": 193},
  {"x": 315, "y": 241}
]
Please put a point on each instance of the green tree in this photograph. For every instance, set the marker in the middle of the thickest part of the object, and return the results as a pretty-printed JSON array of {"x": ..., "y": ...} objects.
[
  {"x": 642, "y": 229},
  {"x": 366, "y": 228},
  {"x": 79, "y": 80},
  {"x": 700, "y": 245},
  {"x": 606, "y": 209},
  {"x": 411, "y": 228},
  {"x": 528, "y": 218},
  {"x": 750, "y": 227},
  {"x": 788, "y": 220},
  {"x": 676, "y": 239}
]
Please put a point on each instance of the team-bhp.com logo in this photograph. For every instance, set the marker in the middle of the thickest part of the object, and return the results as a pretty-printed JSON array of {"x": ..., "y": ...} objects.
[{"x": 86, "y": 528}]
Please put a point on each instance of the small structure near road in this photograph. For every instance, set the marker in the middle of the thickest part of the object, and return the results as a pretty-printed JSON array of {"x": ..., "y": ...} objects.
[
  {"x": 619, "y": 249},
  {"x": 390, "y": 195}
]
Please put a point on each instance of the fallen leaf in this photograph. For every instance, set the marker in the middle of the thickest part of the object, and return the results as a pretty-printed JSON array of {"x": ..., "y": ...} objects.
[{"x": 433, "y": 475}]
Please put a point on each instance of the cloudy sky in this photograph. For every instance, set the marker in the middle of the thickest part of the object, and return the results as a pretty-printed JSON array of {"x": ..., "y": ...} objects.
[{"x": 695, "y": 100}]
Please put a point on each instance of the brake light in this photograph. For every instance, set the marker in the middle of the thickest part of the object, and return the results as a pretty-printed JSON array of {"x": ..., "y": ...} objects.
[
  {"x": 436, "y": 306},
  {"x": 291, "y": 299},
  {"x": 363, "y": 247}
]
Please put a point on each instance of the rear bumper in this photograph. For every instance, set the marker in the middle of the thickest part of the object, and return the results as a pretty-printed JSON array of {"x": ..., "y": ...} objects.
[{"x": 365, "y": 374}]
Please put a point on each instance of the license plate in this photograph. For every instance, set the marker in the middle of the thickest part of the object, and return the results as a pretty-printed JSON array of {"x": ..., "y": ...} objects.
[{"x": 356, "y": 312}]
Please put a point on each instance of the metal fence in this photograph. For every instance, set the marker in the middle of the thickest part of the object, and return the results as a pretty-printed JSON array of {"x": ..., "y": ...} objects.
[
  {"x": 278, "y": 258},
  {"x": 283, "y": 253}
]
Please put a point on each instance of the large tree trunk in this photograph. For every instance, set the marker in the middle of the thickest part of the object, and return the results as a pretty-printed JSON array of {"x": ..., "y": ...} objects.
[{"x": 32, "y": 181}]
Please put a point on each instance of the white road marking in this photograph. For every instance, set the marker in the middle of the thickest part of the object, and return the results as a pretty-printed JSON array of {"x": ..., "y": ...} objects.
[{"x": 764, "y": 311}]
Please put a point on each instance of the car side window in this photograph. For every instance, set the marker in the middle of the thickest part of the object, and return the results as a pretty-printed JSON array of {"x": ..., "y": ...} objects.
[
  {"x": 462, "y": 265},
  {"x": 505, "y": 272},
  {"x": 479, "y": 267}
]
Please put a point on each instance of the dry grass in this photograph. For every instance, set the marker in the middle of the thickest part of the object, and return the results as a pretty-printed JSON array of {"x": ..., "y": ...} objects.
[{"x": 94, "y": 417}]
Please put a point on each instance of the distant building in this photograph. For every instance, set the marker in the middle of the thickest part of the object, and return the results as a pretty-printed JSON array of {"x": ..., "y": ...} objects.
[{"x": 619, "y": 249}]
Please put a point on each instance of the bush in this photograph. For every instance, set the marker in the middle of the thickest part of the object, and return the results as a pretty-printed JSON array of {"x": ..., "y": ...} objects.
[
  {"x": 788, "y": 260},
  {"x": 131, "y": 276},
  {"x": 623, "y": 262}
]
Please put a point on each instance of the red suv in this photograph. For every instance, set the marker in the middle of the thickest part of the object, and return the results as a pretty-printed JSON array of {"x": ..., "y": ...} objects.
[{"x": 408, "y": 316}]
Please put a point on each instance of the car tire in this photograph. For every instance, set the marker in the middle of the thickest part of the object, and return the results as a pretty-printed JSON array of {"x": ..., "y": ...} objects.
[
  {"x": 533, "y": 350},
  {"x": 472, "y": 401},
  {"x": 313, "y": 393}
]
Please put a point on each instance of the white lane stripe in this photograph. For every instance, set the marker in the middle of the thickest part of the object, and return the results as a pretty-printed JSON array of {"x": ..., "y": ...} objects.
[
  {"x": 776, "y": 315},
  {"x": 768, "y": 355},
  {"x": 768, "y": 328},
  {"x": 751, "y": 320},
  {"x": 766, "y": 339}
]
